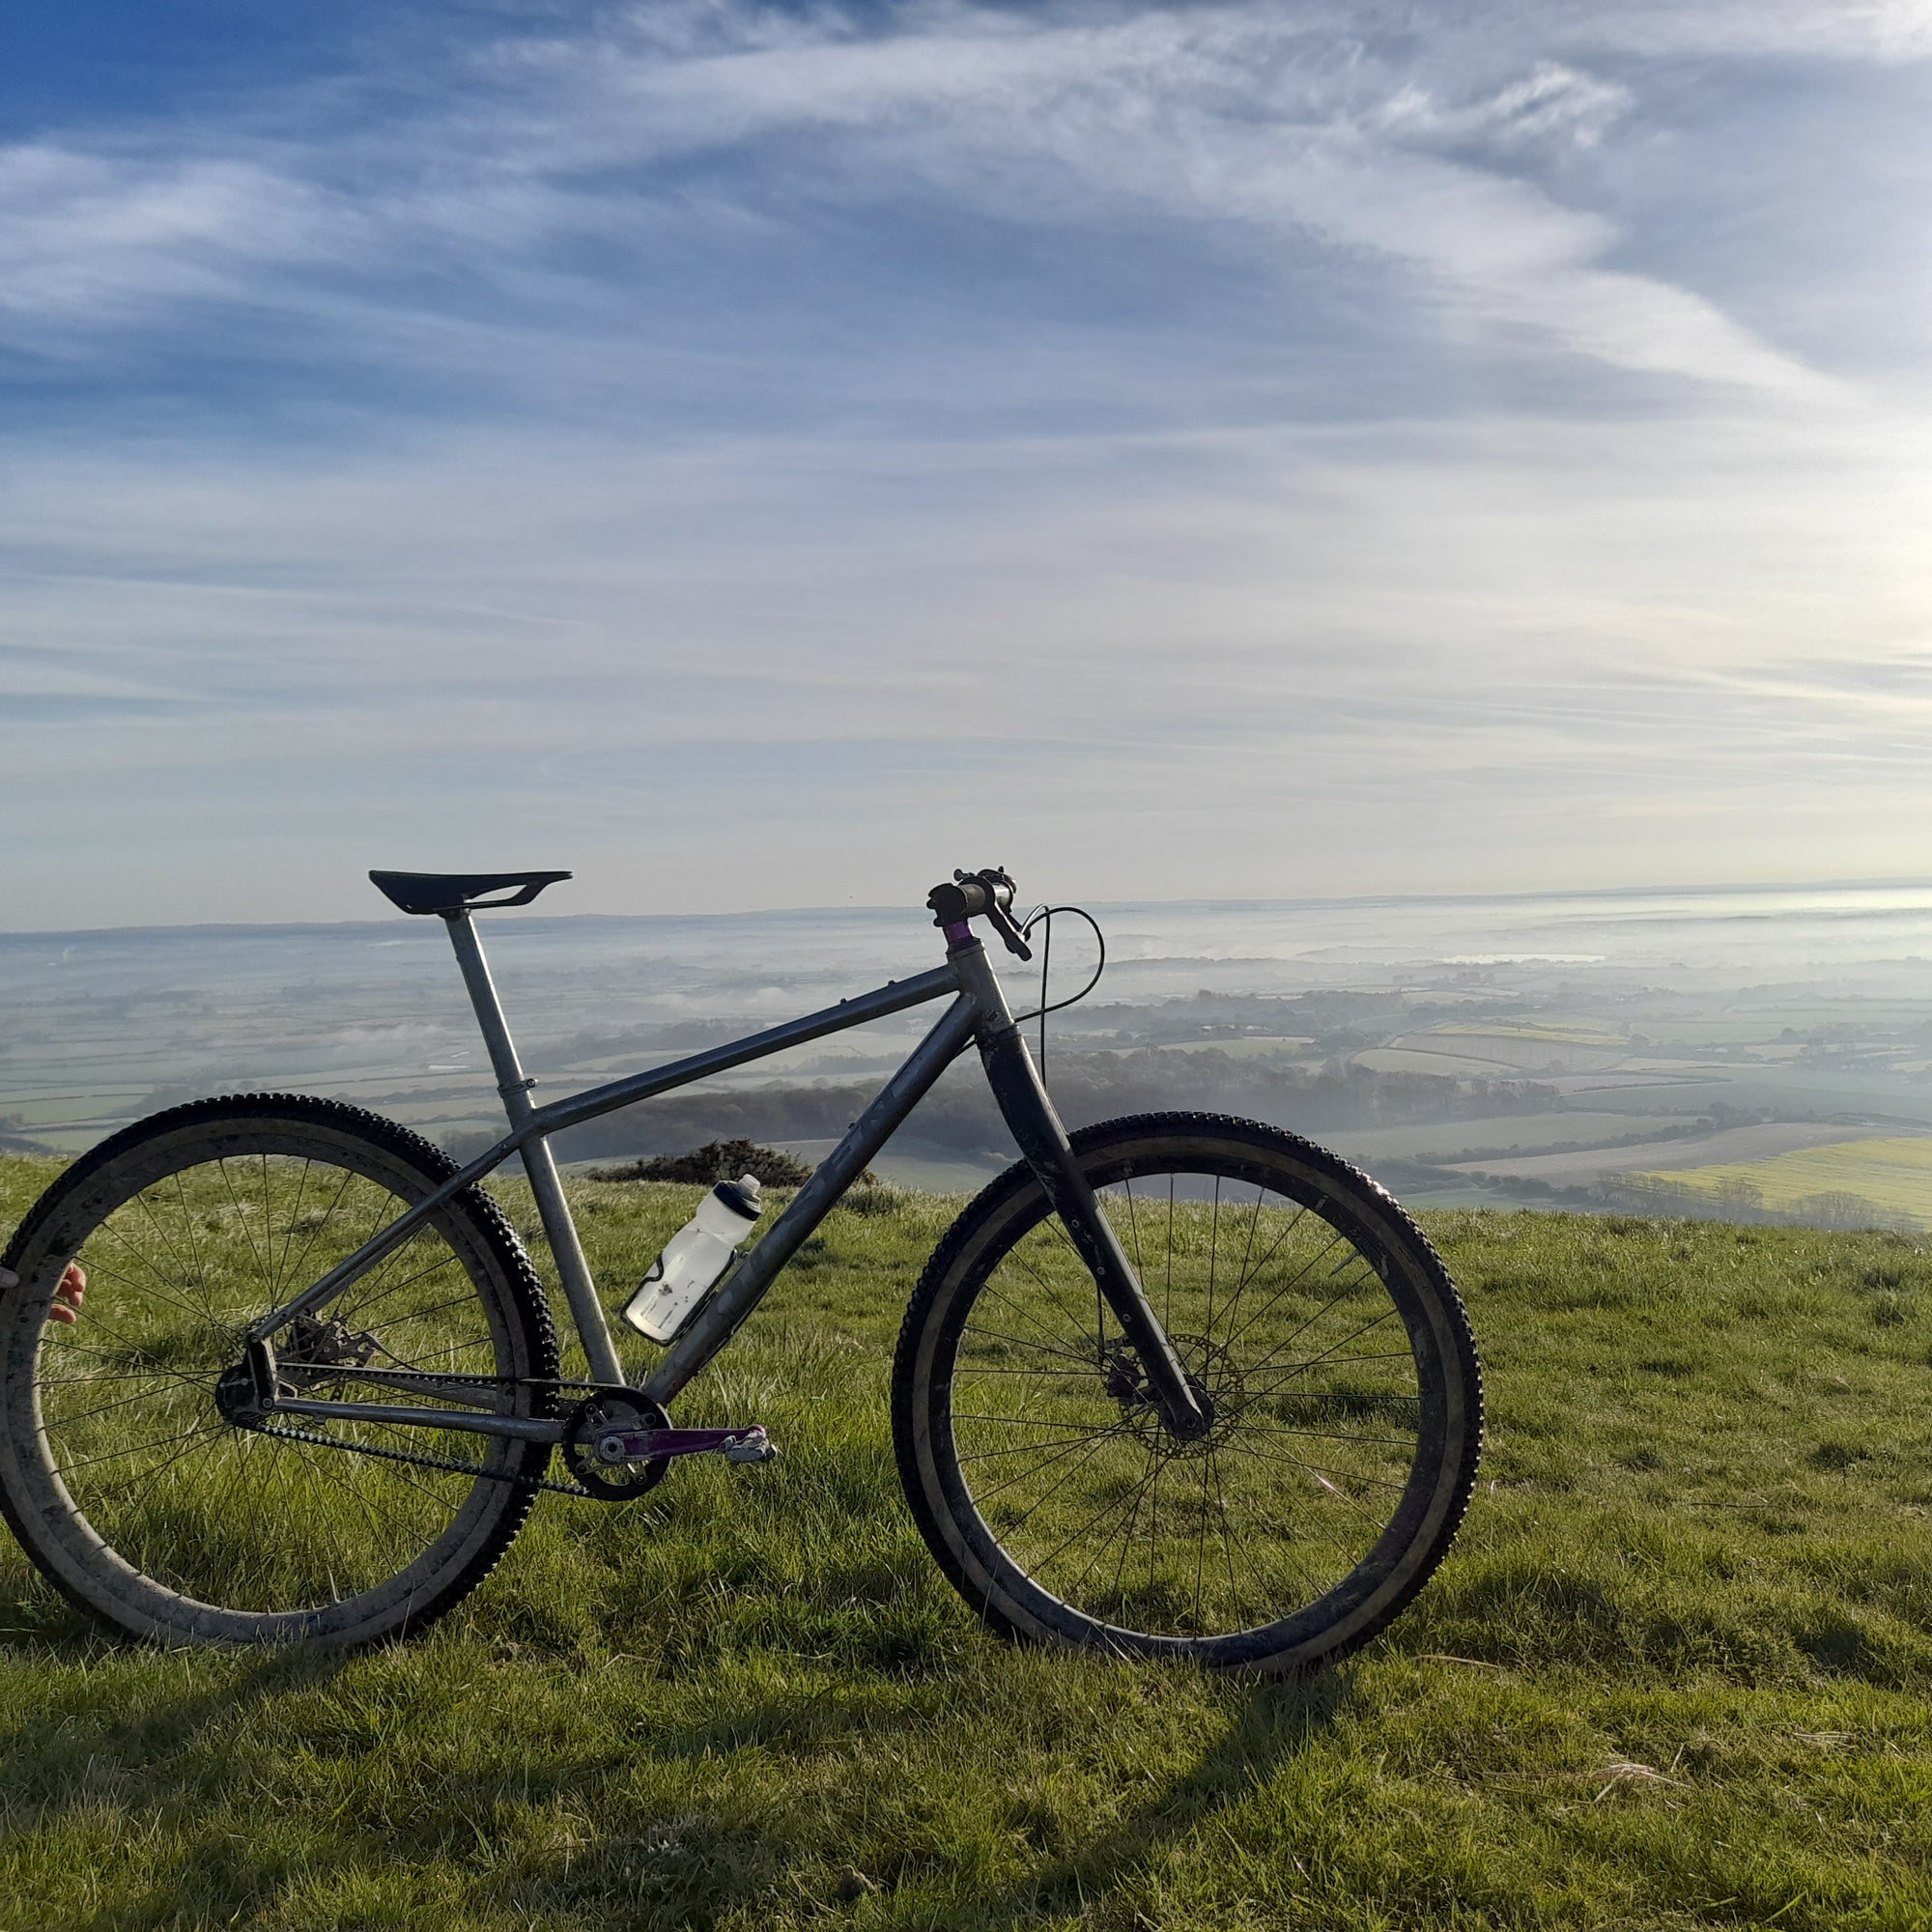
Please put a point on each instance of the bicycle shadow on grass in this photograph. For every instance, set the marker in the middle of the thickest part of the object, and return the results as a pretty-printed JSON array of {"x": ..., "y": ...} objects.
[
  {"x": 74, "y": 1664},
  {"x": 142, "y": 1732},
  {"x": 1275, "y": 1724},
  {"x": 691, "y": 1870},
  {"x": 100, "y": 1735}
]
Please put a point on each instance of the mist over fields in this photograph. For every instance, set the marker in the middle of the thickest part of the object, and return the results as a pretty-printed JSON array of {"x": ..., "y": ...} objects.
[{"x": 1755, "y": 1054}]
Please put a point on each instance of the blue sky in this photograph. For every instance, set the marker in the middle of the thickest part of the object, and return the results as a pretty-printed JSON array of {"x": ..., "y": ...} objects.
[{"x": 768, "y": 455}]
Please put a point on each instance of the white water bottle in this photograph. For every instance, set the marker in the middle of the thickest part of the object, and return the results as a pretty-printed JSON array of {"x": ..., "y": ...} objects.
[{"x": 693, "y": 1259}]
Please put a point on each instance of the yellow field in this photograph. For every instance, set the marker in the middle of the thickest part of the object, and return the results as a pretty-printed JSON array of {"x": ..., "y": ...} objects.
[
  {"x": 1580, "y": 1033},
  {"x": 1424, "y": 1060},
  {"x": 1892, "y": 1175}
]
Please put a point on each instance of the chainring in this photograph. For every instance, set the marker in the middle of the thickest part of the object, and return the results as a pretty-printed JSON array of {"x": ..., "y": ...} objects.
[{"x": 606, "y": 1409}]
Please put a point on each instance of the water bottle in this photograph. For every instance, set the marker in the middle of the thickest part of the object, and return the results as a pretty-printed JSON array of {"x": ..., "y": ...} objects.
[{"x": 693, "y": 1259}]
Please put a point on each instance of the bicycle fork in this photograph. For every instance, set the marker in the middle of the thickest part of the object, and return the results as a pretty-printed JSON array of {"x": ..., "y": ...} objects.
[{"x": 1184, "y": 1407}]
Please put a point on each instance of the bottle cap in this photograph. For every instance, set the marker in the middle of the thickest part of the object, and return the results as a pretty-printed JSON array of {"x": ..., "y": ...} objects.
[{"x": 741, "y": 1196}]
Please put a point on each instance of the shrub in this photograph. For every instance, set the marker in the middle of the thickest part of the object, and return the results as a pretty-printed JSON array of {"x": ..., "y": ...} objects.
[{"x": 713, "y": 1162}]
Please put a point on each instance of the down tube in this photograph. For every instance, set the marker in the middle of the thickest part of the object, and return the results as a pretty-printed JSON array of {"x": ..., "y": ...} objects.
[{"x": 718, "y": 1319}]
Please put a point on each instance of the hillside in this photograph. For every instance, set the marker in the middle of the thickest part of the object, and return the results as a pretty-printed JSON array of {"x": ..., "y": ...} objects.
[{"x": 1675, "y": 1672}]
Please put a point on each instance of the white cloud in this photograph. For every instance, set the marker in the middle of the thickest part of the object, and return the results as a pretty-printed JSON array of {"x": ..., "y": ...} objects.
[
  {"x": 1881, "y": 29},
  {"x": 1247, "y": 118},
  {"x": 1553, "y": 105},
  {"x": 1207, "y": 449}
]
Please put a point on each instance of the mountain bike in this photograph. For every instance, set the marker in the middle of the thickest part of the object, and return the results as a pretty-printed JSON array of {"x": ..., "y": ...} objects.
[{"x": 1173, "y": 1385}]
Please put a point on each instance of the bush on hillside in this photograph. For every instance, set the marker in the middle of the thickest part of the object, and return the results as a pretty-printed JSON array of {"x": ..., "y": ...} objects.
[{"x": 713, "y": 1162}]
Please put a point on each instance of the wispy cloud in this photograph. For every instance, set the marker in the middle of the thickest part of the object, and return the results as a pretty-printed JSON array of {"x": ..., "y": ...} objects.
[
  {"x": 1111, "y": 429},
  {"x": 1248, "y": 118}
]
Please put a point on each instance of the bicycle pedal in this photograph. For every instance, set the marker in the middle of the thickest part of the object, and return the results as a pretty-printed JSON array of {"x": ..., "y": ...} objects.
[{"x": 754, "y": 1446}]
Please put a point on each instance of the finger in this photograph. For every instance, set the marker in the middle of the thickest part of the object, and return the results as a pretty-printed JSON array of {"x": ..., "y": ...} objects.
[
  {"x": 59, "y": 1311},
  {"x": 9, "y": 1279},
  {"x": 75, "y": 1276}
]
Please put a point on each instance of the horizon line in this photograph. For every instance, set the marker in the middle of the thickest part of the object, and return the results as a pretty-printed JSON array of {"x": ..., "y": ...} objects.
[{"x": 1728, "y": 889}]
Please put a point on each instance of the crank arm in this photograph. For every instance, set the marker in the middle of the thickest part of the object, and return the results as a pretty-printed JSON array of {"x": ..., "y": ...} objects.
[{"x": 656, "y": 1445}]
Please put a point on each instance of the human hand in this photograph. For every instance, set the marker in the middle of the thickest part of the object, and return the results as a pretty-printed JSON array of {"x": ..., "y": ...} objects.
[{"x": 70, "y": 1291}]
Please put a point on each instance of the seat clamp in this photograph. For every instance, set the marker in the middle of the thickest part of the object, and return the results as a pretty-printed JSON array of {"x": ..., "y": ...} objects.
[{"x": 514, "y": 1086}]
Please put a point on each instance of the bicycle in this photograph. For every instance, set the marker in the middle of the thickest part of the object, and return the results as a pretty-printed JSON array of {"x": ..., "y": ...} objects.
[{"x": 1176, "y": 1384}]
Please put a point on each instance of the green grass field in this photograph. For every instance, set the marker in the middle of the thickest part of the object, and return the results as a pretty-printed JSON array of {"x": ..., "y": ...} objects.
[
  {"x": 1674, "y": 1674},
  {"x": 1894, "y": 1176}
]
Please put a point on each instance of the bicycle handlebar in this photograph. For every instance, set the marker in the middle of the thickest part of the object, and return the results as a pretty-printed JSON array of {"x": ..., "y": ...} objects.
[{"x": 984, "y": 895}]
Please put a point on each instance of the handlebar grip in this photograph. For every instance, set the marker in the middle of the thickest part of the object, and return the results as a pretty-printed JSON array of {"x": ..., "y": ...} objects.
[
  {"x": 972, "y": 896},
  {"x": 988, "y": 894},
  {"x": 961, "y": 899}
]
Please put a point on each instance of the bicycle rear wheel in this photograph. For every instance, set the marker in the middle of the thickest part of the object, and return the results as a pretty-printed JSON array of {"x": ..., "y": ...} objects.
[
  {"x": 119, "y": 1471},
  {"x": 1325, "y": 1332}
]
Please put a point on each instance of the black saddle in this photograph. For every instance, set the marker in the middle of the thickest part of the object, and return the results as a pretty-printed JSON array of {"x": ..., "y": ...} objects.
[{"x": 461, "y": 891}]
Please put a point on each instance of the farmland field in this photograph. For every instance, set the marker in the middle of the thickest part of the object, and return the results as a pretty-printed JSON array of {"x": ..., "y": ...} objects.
[
  {"x": 1578, "y": 1034},
  {"x": 1427, "y": 1059},
  {"x": 1675, "y": 1673},
  {"x": 1727, "y": 1154},
  {"x": 1894, "y": 1176},
  {"x": 1526, "y": 1133}
]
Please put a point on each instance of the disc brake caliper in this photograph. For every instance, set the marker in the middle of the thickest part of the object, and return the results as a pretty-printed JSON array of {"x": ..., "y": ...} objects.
[
  {"x": 315, "y": 1345},
  {"x": 1121, "y": 1375}
]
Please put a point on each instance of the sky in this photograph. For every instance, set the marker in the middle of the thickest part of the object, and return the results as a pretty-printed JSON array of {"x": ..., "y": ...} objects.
[{"x": 767, "y": 455}]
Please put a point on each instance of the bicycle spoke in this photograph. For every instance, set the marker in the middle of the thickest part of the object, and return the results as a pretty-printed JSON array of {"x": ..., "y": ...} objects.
[
  {"x": 231, "y": 1516},
  {"x": 1316, "y": 1431}
]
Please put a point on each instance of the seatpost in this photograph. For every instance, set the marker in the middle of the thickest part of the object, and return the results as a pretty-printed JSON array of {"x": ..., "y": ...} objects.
[{"x": 514, "y": 1085}]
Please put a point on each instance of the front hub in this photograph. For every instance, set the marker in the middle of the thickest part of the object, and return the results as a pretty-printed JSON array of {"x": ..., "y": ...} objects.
[{"x": 1210, "y": 1374}]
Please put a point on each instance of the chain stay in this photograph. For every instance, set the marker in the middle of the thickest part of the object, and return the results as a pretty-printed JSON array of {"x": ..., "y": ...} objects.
[
  {"x": 452, "y": 1463},
  {"x": 423, "y": 1462},
  {"x": 449, "y": 1462}
]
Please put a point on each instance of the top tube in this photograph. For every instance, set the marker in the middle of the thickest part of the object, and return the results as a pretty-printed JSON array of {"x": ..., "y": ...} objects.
[{"x": 880, "y": 1004}]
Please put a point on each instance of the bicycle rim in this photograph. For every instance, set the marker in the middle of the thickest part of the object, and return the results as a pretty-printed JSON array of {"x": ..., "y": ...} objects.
[
  {"x": 1340, "y": 1456},
  {"x": 184, "y": 1246}
]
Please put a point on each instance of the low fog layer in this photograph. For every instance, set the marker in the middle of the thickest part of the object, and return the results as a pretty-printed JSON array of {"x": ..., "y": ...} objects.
[{"x": 1757, "y": 1055}]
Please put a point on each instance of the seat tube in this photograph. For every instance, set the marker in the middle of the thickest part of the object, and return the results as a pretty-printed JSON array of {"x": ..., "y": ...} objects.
[{"x": 514, "y": 1086}]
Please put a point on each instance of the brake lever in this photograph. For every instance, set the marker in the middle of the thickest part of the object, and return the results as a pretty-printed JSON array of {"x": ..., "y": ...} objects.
[{"x": 1008, "y": 932}]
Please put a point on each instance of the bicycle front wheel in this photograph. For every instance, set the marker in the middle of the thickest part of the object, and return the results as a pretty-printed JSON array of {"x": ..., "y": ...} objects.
[
  {"x": 1324, "y": 1331},
  {"x": 121, "y": 1476}
]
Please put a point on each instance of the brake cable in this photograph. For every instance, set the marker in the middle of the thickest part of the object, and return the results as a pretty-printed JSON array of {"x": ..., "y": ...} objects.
[{"x": 1042, "y": 917}]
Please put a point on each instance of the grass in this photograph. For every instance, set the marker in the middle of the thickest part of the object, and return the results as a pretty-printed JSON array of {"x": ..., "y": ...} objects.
[
  {"x": 1675, "y": 1673},
  {"x": 1894, "y": 1177}
]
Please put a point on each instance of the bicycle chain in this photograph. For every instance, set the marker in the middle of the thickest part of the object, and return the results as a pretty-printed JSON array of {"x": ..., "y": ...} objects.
[{"x": 423, "y": 1462}]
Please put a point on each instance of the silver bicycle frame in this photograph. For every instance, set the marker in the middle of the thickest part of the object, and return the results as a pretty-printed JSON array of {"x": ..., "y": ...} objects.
[
  {"x": 531, "y": 1128},
  {"x": 978, "y": 1012}
]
